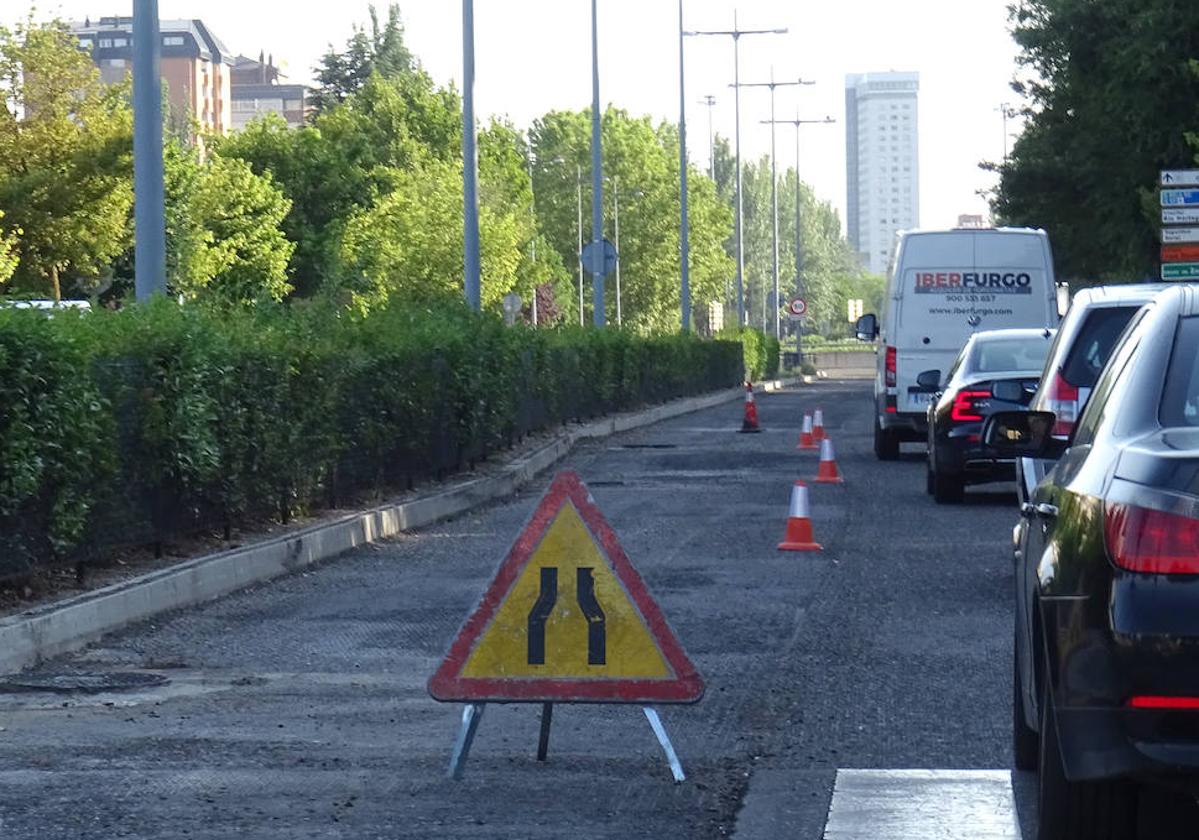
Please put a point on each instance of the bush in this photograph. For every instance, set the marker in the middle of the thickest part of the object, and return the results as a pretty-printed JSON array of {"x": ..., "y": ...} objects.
[
  {"x": 140, "y": 426},
  {"x": 760, "y": 352}
]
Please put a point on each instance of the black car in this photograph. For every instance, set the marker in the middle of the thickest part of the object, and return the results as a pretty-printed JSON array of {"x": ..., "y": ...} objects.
[
  {"x": 955, "y": 416},
  {"x": 1106, "y": 678}
]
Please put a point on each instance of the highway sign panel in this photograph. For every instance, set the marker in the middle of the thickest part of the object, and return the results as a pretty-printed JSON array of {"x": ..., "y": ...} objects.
[
  {"x": 1180, "y": 271},
  {"x": 1180, "y": 234},
  {"x": 797, "y": 307},
  {"x": 1180, "y": 215},
  {"x": 1180, "y": 198},
  {"x": 1180, "y": 253},
  {"x": 599, "y": 257},
  {"x": 567, "y": 619},
  {"x": 1180, "y": 178}
]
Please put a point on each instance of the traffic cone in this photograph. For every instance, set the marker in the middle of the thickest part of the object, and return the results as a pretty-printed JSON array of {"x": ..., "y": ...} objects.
[
  {"x": 799, "y": 523},
  {"x": 828, "y": 473},
  {"x": 818, "y": 426},
  {"x": 806, "y": 440},
  {"x": 750, "y": 423}
]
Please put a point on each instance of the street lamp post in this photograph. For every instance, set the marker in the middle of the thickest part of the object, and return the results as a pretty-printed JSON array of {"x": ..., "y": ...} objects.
[
  {"x": 598, "y": 316},
  {"x": 684, "y": 219},
  {"x": 579, "y": 258},
  {"x": 774, "y": 194},
  {"x": 149, "y": 244},
  {"x": 736, "y": 33},
  {"x": 710, "y": 101},
  {"x": 798, "y": 123}
]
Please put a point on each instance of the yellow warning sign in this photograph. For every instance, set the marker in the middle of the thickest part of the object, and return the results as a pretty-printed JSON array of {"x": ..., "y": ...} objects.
[
  {"x": 567, "y": 618},
  {"x": 587, "y": 625}
]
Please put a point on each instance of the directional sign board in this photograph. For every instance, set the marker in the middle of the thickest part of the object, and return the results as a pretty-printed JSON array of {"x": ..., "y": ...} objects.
[
  {"x": 1180, "y": 198},
  {"x": 1180, "y": 234},
  {"x": 797, "y": 307},
  {"x": 1180, "y": 271},
  {"x": 599, "y": 257},
  {"x": 567, "y": 619},
  {"x": 1180, "y": 178},
  {"x": 1180, "y": 253},
  {"x": 1180, "y": 215}
]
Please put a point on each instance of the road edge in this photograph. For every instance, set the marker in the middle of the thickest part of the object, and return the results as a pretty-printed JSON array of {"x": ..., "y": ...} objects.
[{"x": 61, "y": 627}]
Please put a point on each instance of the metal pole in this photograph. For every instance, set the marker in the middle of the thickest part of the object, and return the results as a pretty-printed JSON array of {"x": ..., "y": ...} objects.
[
  {"x": 597, "y": 177},
  {"x": 684, "y": 220},
  {"x": 579, "y": 197},
  {"x": 149, "y": 265},
  {"x": 737, "y": 132},
  {"x": 533, "y": 241},
  {"x": 774, "y": 219},
  {"x": 470, "y": 158},
  {"x": 616, "y": 232},
  {"x": 710, "y": 100}
]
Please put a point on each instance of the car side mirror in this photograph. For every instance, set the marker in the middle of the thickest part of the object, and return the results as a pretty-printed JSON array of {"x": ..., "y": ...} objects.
[
  {"x": 1022, "y": 434},
  {"x": 929, "y": 381},
  {"x": 1013, "y": 392},
  {"x": 867, "y": 327}
]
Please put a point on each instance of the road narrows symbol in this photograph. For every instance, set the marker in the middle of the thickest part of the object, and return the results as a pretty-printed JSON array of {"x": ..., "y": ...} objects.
[
  {"x": 597, "y": 645},
  {"x": 540, "y": 613}
]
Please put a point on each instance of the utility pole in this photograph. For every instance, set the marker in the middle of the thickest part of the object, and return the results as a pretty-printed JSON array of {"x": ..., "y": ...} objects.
[
  {"x": 799, "y": 287},
  {"x": 774, "y": 193},
  {"x": 684, "y": 219},
  {"x": 736, "y": 33},
  {"x": 533, "y": 239},
  {"x": 579, "y": 200},
  {"x": 597, "y": 179},
  {"x": 1008, "y": 112},
  {"x": 470, "y": 161},
  {"x": 149, "y": 250},
  {"x": 616, "y": 234},
  {"x": 710, "y": 101}
]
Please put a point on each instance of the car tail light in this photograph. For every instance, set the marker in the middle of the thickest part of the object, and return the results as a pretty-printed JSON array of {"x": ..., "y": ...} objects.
[
  {"x": 890, "y": 367},
  {"x": 1146, "y": 701},
  {"x": 964, "y": 409},
  {"x": 1151, "y": 541},
  {"x": 1063, "y": 402}
]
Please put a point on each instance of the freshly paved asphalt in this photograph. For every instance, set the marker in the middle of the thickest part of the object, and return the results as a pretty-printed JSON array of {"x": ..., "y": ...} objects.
[{"x": 298, "y": 709}]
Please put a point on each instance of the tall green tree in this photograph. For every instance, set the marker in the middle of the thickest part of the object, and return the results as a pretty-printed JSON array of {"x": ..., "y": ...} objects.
[
  {"x": 8, "y": 252},
  {"x": 370, "y": 50},
  {"x": 65, "y": 158},
  {"x": 1110, "y": 95}
]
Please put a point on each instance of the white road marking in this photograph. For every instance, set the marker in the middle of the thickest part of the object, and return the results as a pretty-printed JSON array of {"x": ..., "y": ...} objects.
[{"x": 922, "y": 805}]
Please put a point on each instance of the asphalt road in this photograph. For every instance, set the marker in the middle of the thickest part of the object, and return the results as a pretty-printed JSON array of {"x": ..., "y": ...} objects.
[{"x": 298, "y": 709}]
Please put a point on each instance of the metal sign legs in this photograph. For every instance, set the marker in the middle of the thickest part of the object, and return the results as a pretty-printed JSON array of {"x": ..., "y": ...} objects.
[{"x": 473, "y": 713}]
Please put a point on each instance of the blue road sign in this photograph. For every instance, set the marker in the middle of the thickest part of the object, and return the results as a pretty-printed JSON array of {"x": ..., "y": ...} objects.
[
  {"x": 592, "y": 254},
  {"x": 1180, "y": 198}
]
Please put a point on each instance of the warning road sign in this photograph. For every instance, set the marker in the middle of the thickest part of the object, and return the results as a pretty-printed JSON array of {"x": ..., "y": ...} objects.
[{"x": 567, "y": 618}]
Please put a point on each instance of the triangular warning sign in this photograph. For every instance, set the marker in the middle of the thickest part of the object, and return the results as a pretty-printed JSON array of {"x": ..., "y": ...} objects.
[{"x": 567, "y": 618}]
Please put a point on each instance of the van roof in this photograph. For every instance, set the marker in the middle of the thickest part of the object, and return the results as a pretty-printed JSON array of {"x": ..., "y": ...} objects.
[{"x": 971, "y": 230}]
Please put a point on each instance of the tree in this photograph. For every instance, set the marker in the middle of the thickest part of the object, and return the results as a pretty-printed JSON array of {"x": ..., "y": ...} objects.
[
  {"x": 65, "y": 157},
  {"x": 381, "y": 50},
  {"x": 8, "y": 252},
  {"x": 1110, "y": 95}
]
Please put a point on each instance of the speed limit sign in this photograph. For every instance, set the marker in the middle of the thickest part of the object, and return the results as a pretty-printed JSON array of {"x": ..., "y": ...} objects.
[{"x": 797, "y": 307}]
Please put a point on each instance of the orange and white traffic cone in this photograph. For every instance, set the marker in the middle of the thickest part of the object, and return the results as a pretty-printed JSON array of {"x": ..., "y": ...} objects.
[
  {"x": 827, "y": 473},
  {"x": 818, "y": 426},
  {"x": 806, "y": 439},
  {"x": 750, "y": 423},
  {"x": 799, "y": 523}
]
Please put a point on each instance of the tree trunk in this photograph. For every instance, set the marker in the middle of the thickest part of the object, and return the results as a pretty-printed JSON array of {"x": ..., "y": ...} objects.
[{"x": 55, "y": 290}]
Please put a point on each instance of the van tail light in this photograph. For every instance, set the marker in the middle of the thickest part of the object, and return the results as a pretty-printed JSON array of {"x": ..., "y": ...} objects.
[
  {"x": 1063, "y": 402},
  {"x": 1149, "y": 701},
  {"x": 964, "y": 408},
  {"x": 890, "y": 367},
  {"x": 1151, "y": 541}
]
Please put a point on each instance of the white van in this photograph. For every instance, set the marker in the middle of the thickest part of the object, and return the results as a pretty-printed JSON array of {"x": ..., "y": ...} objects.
[{"x": 942, "y": 287}]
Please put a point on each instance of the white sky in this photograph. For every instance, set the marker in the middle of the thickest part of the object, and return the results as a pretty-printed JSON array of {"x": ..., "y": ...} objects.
[{"x": 535, "y": 55}]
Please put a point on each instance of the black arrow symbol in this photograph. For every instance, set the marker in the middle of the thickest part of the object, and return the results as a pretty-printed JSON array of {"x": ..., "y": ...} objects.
[{"x": 1167, "y": 178}]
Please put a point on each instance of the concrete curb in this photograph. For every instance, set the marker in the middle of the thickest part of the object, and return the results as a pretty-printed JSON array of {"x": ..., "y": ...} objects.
[{"x": 57, "y": 628}]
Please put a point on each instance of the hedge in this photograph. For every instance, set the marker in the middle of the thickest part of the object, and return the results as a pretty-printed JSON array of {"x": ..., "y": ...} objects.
[
  {"x": 760, "y": 352},
  {"x": 141, "y": 426}
]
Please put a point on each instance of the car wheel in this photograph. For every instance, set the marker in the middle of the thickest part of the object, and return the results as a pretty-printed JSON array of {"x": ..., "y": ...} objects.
[
  {"x": 948, "y": 489},
  {"x": 1026, "y": 743},
  {"x": 1079, "y": 810},
  {"x": 886, "y": 444}
]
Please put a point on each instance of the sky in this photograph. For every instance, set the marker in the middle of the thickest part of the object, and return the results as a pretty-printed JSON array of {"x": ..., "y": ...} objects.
[{"x": 535, "y": 55}]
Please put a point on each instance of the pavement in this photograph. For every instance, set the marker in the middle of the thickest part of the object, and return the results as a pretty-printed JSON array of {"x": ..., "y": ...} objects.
[{"x": 862, "y": 692}]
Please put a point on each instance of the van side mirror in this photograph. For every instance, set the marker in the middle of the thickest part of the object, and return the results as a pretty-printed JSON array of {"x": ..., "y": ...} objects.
[
  {"x": 1024, "y": 434},
  {"x": 929, "y": 381},
  {"x": 867, "y": 327},
  {"x": 1013, "y": 392}
]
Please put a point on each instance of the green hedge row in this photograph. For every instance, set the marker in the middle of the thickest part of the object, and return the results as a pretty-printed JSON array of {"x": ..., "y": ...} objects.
[
  {"x": 139, "y": 426},
  {"x": 760, "y": 352}
]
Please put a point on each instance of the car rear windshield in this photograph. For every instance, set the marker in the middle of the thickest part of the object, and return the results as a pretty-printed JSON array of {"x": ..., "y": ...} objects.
[
  {"x": 1094, "y": 344},
  {"x": 1007, "y": 354},
  {"x": 1180, "y": 398}
]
